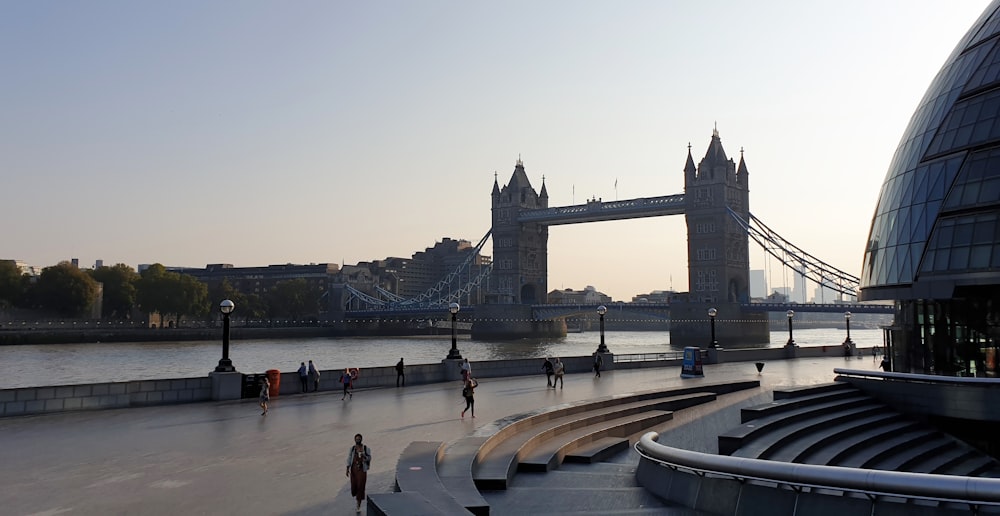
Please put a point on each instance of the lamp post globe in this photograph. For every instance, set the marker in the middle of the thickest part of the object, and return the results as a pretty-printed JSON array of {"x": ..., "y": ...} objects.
[
  {"x": 712, "y": 312},
  {"x": 791, "y": 341},
  {"x": 847, "y": 320},
  {"x": 454, "y": 354},
  {"x": 225, "y": 364},
  {"x": 601, "y": 310}
]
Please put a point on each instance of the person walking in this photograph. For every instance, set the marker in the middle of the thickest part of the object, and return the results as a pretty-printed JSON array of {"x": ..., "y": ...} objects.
[
  {"x": 400, "y": 377},
  {"x": 346, "y": 379},
  {"x": 466, "y": 370},
  {"x": 304, "y": 377},
  {"x": 558, "y": 370},
  {"x": 265, "y": 395},
  {"x": 314, "y": 376},
  {"x": 358, "y": 460},
  {"x": 547, "y": 367},
  {"x": 469, "y": 393},
  {"x": 598, "y": 363}
]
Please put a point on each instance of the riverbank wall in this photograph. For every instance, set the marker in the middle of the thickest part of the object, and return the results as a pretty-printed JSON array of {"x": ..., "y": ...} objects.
[{"x": 145, "y": 393}]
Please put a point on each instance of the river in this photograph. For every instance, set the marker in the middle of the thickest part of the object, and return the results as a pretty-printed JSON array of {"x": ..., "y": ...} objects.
[{"x": 67, "y": 364}]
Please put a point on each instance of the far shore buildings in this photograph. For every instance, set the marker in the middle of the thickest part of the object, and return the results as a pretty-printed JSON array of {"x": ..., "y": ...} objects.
[
  {"x": 380, "y": 279},
  {"x": 588, "y": 296}
]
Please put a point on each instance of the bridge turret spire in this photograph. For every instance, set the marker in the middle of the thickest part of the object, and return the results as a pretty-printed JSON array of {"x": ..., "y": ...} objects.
[
  {"x": 689, "y": 169},
  {"x": 496, "y": 186},
  {"x": 544, "y": 193},
  {"x": 742, "y": 174}
]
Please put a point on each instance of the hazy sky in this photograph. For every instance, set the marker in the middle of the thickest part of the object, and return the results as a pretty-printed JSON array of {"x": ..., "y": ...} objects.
[{"x": 256, "y": 133}]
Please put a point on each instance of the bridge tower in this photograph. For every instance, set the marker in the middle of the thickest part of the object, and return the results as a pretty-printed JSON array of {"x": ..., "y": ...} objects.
[
  {"x": 718, "y": 251},
  {"x": 718, "y": 261},
  {"x": 520, "y": 251},
  {"x": 520, "y": 265}
]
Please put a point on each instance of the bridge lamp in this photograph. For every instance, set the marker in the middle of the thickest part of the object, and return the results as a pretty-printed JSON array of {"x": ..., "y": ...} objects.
[
  {"x": 791, "y": 341},
  {"x": 601, "y": 310},
  {"x": 225, "y": 365},
  {"x": 454, "y": 354},
  {"x": 712, "y": 312},
  {"x": 847, "y": 319}
]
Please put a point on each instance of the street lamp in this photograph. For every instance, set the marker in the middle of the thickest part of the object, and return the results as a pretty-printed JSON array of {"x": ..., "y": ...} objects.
[
  {"x": 601, "y": 310},
  {"x": 791, "y": 341},
  {"x": 711, "y": 316},
  {"x": 454, "y": 354},
  {"x": 225, "y": 365},
  {"x": 847, "y": 319}
]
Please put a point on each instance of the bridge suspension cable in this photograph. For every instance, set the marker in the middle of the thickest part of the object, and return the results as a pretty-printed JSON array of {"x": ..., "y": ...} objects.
[
  {"x": 441, "y": 294},
  {"x": 799, "y": 261}
]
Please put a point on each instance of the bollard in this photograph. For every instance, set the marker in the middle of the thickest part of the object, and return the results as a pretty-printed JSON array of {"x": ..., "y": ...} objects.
[{"x": 760, "y": 367}]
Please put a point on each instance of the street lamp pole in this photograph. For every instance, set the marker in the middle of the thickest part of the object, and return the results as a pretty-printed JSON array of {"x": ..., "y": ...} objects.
[
  {"x": 847, "y": 319},
  {"x": 601, "y": 310},
  {"x": 454, "y": 354},
  {"x": 791, "y": 341},
  {"x": 225, "y": 364},
  {"x": 712, "y": 312}
]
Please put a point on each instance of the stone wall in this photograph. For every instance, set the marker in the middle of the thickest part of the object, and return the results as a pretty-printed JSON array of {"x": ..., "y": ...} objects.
[{"x": 141, "y": 393}]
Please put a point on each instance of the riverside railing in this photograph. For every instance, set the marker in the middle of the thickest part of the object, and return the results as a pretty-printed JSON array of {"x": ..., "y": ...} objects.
[
  {"x": 875, "y": 484},
  {"x": 648, "y": 357}
]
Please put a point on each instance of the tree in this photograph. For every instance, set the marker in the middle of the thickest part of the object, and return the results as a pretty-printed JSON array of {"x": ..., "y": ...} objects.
[
  {"x": 170, "y": 293},
  {"x": 119, "y": 289},
  {"x": 13, "y": 285},
  {"x": 248, "y": 306},
  {"x": 293, "y": 298},
  {"x": 66, "y": 290}
]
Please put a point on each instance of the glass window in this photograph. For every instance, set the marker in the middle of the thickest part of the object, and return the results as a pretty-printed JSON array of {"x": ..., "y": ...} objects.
[
  {"x": 963, "y": 233},
  {"x": 959, "y": 258},
  {"x": 980, "y": 257}
]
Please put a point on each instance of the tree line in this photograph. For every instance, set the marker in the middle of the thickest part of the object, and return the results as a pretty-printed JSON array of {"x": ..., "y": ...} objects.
[{"x": 68, "y": 291}]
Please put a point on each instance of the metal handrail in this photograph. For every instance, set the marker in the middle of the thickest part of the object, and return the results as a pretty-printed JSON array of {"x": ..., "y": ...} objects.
[
  {"x": 918, "y": 378},
  {"x": 870, "y": 482},
  {"x": 648, "y": 357}
]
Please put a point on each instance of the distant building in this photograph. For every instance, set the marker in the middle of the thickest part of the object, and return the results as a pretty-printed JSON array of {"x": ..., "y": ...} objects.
[
  {"x": 587, "y": 296},
  {"x": 425, "y": 269},
  {"x": 758, "y": 283},
  {"x": 259, "y": 280},
  {"x": 30, "y": 270},
  {"x": 656, "y": 296}
]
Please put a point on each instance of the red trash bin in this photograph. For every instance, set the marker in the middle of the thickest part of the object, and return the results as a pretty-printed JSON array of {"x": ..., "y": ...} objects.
[{"x": 274, "y": 379}]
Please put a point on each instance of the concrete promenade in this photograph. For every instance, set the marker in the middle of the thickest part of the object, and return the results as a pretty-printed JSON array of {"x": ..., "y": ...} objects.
[{"x": 225, "y": 458}]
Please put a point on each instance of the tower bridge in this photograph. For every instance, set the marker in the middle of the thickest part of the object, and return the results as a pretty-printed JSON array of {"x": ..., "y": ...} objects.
[{"x": 716, "y": 208}]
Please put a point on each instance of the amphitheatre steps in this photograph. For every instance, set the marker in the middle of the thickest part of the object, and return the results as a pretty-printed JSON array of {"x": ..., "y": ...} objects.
[{"x": 545, "y": 461}]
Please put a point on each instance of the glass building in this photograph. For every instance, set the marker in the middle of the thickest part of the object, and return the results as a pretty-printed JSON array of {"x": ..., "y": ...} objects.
[{"x": 934, "y": 246}]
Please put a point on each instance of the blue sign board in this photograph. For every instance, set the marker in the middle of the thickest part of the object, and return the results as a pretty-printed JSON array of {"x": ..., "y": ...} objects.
[{"x": 691, "y": 368}]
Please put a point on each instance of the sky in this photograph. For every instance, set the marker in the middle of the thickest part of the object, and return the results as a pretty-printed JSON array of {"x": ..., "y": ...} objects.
[{"x": 257, "y": 133}]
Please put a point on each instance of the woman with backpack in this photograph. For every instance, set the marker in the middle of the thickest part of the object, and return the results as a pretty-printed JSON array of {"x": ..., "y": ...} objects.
[{"x": 469, "y": 393}]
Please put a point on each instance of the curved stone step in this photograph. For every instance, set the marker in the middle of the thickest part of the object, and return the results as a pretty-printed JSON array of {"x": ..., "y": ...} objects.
[
  {"x": 866, "y": 456},
  {"x": 739, "y": 437},
  {"x": 832, "y": 452},
  {"x": 498, "y": 459},
  {"x": 778, "y": 406},
  {"x": 912, "y": 455},
  {"x": 778, "y": 434},
  {"x": 549, "y": 451},
  {"x": 544, "y": 499},
  {"x": 455, "y": 470},
  {"x": 416, "y": 472},
  {"x": 827, "y": 435}
]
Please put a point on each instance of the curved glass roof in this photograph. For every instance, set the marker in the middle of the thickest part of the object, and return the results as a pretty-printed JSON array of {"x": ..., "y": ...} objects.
[{"x": 938, "y": 207}]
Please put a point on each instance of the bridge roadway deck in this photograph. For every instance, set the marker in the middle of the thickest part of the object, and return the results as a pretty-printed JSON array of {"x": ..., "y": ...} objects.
[{"x": 225, "y": 458}]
